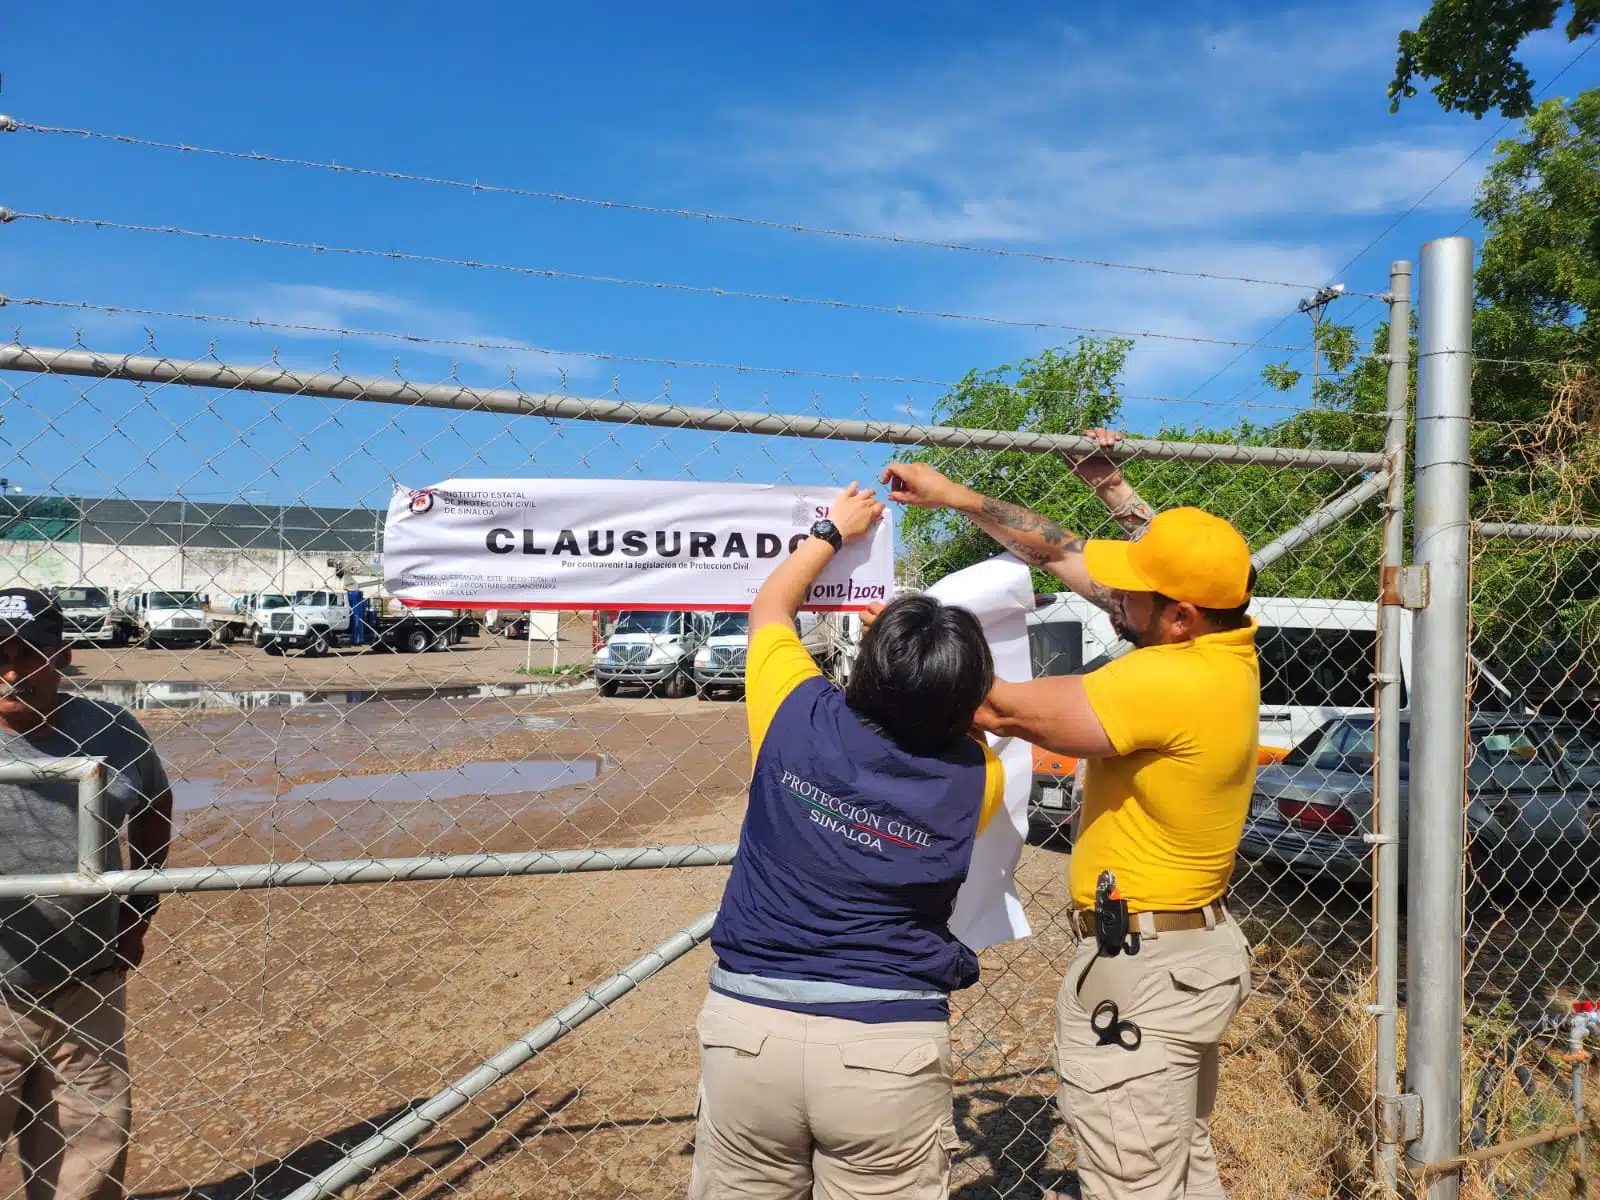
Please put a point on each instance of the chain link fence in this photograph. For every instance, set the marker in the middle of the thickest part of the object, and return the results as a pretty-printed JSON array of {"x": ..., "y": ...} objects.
[
  {"x": 1533, "y": 791},
  {"x": 286, "y": 1016}
]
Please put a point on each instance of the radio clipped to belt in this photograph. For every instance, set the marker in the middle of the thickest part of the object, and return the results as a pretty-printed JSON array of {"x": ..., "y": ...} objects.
[{"x": 1111, "y": 919}]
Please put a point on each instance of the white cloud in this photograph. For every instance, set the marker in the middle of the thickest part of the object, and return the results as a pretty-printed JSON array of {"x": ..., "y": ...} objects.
[
  {"x": 450, "y": 334},
  {"x": 1092, "y": 133}
]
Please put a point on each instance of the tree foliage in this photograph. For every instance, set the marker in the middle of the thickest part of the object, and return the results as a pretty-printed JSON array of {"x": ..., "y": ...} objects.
[
  {"x": 1468, "y": 48},
  {"x": 1536, "y": 438}
]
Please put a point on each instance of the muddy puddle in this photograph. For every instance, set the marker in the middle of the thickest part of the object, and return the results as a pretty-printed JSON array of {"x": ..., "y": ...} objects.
[
  {"x": 476, "y": 779},
  {"x": 136, "y": 695}
]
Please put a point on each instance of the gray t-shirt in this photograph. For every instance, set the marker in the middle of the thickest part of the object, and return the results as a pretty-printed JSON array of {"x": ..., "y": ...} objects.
[{"x": 48, "y": 940}]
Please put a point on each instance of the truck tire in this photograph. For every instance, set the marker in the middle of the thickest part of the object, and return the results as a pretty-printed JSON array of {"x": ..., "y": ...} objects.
[
  {"x": 679, "y": 686},
  {"x": 254, "y": 635},
  {"x": 148, "y": 642},
  {"x": 225, "y": 635},
  {"x": 317, "y": 645},
  {"x": 119, "y": 636},
  {"x": 274, "y": 648},
  {"x": 608, "y": 687},
  {"x": 702, "y": 692},
  {"x": 417, "y": 641}
]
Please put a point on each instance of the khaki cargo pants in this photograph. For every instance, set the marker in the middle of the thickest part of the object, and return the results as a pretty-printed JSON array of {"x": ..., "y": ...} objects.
[
  {"x": 1142, "y": 1118},
  {"x": 64, "y": 1088},
  {"x": 793, "y": 1107}
]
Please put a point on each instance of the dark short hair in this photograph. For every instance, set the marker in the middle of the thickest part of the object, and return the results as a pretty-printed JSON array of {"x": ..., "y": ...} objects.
[
  {"x": 1221, "y": 620},
  {"x": 923, "y": 669}
]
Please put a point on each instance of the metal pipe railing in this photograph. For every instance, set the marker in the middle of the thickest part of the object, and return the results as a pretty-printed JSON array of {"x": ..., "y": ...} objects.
[
  {"x": 149, "y": 881},
  {"x": 1390, "y": 679},
  {"x": 1313, "y": 523},
  {"x": 511, "y": 402},
  {"x": 1439, "y": 708},
  {"x": 1536, "y": 533},
  {"x": 405, "y": 1130}
]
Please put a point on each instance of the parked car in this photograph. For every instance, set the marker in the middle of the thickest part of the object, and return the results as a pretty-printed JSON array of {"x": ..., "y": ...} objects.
[
  {"x": 168, "y": 618},
  {"x": 90, "y": 614},
  {"x": 1533, "y": 792}
]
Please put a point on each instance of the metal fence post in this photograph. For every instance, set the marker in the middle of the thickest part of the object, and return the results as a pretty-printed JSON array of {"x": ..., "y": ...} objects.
[
  {"x": 1390, "y": 683},
  {"x": 1438, "y": 707}
]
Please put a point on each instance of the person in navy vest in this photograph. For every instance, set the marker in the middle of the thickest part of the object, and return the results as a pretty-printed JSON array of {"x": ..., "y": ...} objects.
[{"x": 825, "y": 1065}]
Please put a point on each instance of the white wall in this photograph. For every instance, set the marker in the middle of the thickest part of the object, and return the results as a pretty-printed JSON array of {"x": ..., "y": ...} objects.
[{"x": 221, "y": 573}]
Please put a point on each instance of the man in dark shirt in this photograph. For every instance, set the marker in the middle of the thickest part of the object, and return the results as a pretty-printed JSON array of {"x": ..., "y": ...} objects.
[{"x": 65, "y": 1091}]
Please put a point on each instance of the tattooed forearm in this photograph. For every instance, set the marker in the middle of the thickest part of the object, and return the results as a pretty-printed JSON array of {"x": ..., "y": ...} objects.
[{"x": 1034, "y": 539}]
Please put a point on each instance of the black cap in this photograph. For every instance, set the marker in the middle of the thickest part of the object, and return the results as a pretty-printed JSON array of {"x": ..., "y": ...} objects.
[{"x": 30, "y": 616}]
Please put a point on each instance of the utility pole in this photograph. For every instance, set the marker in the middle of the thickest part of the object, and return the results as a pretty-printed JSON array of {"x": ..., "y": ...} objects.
[{"x": 1316, "y": 308}]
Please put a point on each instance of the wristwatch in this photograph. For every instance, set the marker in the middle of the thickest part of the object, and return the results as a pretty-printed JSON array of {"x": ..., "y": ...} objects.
[{"x": 828, "y": 532}]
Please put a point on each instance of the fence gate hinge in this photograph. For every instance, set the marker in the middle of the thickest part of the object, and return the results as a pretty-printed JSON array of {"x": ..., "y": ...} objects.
[
  {"x": 1399, "y": 1119},
  {"x": 1405, "y": 587}
]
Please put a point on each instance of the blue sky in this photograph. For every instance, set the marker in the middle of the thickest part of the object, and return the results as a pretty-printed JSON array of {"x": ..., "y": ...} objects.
[{"x": 1238, "y": 139}]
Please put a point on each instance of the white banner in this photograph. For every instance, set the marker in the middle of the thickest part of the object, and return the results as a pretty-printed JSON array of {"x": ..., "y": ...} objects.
[
  {"x": 616, "y": 543},
  {"x": 987, "y": 909}
]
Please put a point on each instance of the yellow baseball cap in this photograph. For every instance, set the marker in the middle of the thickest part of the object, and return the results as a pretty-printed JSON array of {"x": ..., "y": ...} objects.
[{"x": 1185, "y": 554}]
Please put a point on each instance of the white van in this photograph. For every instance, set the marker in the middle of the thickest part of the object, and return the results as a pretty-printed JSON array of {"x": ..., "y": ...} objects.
[{"x": 168, "y": 618}]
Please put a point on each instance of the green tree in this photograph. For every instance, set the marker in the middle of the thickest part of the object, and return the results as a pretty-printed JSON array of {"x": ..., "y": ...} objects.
[
  {"x": 1057, "y": 391},
  {"x": 1069, "y": 390},
  {"x": 1468, "y": 47}
]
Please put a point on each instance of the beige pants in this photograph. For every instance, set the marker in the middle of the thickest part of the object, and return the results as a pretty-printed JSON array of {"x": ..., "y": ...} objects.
[
  {"x": 793, "y": 1106},
  {"x": 65, "y": 1091},
  {"x": 1142, "y": 1118}
]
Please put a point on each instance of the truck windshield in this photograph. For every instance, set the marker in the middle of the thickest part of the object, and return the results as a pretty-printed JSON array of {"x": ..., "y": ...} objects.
[
  {"x": 650, "y": 622},
  {"x": 175, "y": 600},
  {"x": 315, "y": 599},
  {"x": 272, "y": 600},
  {"x": 82, "y": 597},
  {"x": 728, "y": 624}
]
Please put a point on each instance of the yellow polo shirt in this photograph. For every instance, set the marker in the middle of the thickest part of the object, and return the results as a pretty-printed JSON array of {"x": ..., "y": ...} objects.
[{"x": 1165, "y": 814}]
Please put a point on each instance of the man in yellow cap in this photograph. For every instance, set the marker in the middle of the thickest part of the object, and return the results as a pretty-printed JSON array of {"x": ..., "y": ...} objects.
[{"x": 1170, "y": 737}]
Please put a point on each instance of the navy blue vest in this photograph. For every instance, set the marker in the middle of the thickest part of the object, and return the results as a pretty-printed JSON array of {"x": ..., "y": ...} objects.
[{"x": 849, "y": 860}]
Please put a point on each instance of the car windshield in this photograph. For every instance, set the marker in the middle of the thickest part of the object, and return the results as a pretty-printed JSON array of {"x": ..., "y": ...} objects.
[
  {"x": 81, "y": 597},
  {"x": 1346, "y": 746},
  {"x": 174, "y": 600},
  {"x": 1503, "y": 758},
  {"x": 648, "y": 622},
  {"x": 730, "y": 624},
  {"x": 272, "y": 600}
]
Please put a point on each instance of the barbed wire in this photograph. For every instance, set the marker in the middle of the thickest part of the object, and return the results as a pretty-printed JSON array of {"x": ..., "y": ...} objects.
[
  {"x": 599, "y": 355},
  {"x": 475, "y": 186},
  {"x": 659, "y": 285}
]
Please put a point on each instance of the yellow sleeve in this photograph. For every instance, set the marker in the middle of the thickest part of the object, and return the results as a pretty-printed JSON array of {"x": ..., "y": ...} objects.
[
  {"x": 776, "y": 665},
  {"x": 994, "y": 787},
  {"x": 1134, "y": 698}
]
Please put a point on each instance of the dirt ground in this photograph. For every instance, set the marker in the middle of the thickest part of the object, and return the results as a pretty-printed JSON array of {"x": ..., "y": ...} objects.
[{"x": 272, "y": 1030}]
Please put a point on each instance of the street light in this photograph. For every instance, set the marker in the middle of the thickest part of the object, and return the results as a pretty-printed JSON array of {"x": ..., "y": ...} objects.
[{"x": 1316, "y": 308}]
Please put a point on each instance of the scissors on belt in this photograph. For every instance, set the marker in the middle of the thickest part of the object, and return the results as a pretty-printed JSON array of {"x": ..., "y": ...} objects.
[{"x": 1111, "y": 1030}]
